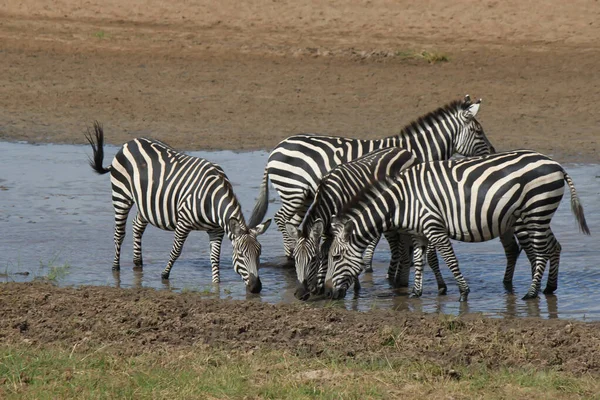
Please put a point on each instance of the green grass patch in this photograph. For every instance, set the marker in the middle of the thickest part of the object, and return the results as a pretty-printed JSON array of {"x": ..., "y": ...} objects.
[
  {"x": 102, "y": 373},
  {"x": 432, "y": 57},
  {"x": 100, "y": 34}
]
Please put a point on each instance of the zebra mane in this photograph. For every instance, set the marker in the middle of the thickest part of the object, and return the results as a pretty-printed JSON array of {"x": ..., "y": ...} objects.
[
  {"x": 372, "y": 189},
  {"x": 430, "y": 118},
  {"x": 229, "y": 188}
]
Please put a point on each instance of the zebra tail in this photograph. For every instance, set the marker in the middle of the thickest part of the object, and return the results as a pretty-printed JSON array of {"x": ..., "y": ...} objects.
[
  {"x": 97, "y": 142},
  {"x": 262, "y": 203},
  {"x": 576, "y": 206}
]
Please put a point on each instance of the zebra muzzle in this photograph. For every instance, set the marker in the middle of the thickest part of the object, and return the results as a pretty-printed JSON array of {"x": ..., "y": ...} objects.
[
  {"x": 334, "y": 293},
  {"x": 302, "y": 292},
  {"x": 253, "y": 285}
]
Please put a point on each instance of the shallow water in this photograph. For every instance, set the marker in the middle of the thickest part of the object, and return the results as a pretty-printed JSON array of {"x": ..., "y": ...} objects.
[{"x": 54, "y": 211}]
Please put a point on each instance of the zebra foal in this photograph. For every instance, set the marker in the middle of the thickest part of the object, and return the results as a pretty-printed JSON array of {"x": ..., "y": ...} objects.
[
  {"x": 177, "y": 192},
  {"x": 471, "y": 200},
  {"x": 336, "y": 188}
]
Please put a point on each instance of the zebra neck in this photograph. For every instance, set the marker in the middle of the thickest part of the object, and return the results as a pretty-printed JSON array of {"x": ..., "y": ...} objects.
[{"x": 429, "y": 139}]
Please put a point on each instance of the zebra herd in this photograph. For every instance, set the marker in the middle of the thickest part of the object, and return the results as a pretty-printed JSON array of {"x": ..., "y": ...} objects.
[{"x": 347, "y": 193}]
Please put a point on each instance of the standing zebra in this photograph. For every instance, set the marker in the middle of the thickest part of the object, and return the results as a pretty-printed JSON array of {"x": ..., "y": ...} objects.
[
  {"x": 471, "y": 200},
  {"x": 177, "y": 192},
  {"x": 336, "y": 188},
  {"x": 298, "y": 163}
]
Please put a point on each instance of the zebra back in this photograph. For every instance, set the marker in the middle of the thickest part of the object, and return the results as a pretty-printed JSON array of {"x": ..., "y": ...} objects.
[
  {"x": 343, "y": 182},
  {"x": 167, "y": 185}
]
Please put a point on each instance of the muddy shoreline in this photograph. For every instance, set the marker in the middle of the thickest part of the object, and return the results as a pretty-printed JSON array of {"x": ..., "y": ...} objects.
[{"x": 133, "y": 321}]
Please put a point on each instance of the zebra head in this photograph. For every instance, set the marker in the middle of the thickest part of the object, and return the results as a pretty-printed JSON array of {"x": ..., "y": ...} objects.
[
  {"x": 307, "y": 257},
  {"x": 470, "y": 139},
  {"x": 246, "y": 252},
  {"x": 345, "y": 260}
]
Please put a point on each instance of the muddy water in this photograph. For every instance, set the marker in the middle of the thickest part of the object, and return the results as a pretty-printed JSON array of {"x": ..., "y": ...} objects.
[{"x": 55, "y": 212}]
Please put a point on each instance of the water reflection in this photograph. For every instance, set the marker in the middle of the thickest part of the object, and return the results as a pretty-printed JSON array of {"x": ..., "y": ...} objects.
[{"x": 61, "y": 191}]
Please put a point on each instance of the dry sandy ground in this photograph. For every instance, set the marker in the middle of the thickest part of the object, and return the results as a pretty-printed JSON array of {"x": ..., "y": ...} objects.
[{"x": 231, "y": 75}]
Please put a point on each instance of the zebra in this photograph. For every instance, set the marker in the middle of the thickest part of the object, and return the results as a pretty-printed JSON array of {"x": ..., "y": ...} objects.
[
  {"x": 335, "y": 189},
  {"x": 297, "y": 164},
  {"x": 471, "y": 200},
  {"x": 177, "y": 192}
]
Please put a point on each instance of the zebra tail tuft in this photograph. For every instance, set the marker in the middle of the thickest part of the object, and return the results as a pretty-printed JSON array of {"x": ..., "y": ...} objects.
[
  {"x": 262, "y": 203},
  {"x": 576, "y": 206},
  {"x": 96, "y": 140}
]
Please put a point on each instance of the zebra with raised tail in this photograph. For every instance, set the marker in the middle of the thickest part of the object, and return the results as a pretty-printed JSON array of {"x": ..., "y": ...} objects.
[
  {"x": 336, "y": 188},
  {"x": 471, "y": 200},
  {"x": 297, "y": 164},
  {"x": 177, "y": 192}
]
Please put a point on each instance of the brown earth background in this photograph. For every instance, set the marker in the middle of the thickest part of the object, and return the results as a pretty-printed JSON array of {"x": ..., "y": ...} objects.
[
  {"x": 244, "y": 75},
  {"x": 225, "y": 75}
]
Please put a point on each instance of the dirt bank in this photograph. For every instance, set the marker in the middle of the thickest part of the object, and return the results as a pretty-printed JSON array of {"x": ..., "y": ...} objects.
[
  {"x": 223, "y": 76},
  {"x": 133, "y": 321}
]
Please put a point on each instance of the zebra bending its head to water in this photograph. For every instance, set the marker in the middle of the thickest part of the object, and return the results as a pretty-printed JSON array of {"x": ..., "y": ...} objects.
[
  {"x": 177, "y": 192},
  {"x": 298, "y": 163},
  {"x": 471, "y": 200},
  {"x": 336, "y": 188}
]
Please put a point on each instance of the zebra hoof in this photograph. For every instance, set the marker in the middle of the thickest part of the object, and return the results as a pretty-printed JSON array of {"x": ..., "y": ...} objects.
[
  {"x": 530, "y": 295},
  {"x": 442, "y": 290},
  {"x": 369, "y": 270},
  {"x": 116, "y": 268},
  {"x": 464, "y": 297},
  {"x": 508, "y": 286},
  {"x": 416, "y": 293},
  {"x": 138, "y": 264},
  {"x": 165, "y": 275},
  {"x": 550, "y": 289}
]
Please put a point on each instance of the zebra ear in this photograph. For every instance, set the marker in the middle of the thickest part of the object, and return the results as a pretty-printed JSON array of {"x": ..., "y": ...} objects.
[
  {"x": 262, "y": 228},
  {"x": 317, "y": 230},
  {"x": 348, "y": 227},
  {"x": 235, "y": 227},
  {"x": 472, "y": 110},
  {"x": 467, "y": 100},
  {"x": 292, "y": 231}
]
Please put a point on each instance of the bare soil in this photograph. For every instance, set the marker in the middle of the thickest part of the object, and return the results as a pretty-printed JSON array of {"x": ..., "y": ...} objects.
[
  {"x": 224, "y": 75},
  {"x": 244, "y": 75},
  {"x": 135, "y": 321}
]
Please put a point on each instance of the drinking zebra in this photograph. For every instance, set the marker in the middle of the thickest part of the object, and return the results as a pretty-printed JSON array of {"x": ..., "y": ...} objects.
[
  {"x": 177, "y": 192},
  {"x": 471, "y": 200},
  {"x": 336, "y": 188},
  {"x": 298, "y": 163}
]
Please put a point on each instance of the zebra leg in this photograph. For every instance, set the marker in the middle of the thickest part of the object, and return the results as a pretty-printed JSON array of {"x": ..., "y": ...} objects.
[
  {"x": 181, "y": 233},
  {"x": 292, "y": 210},
  {"x": 121, "y": 213},
  {"x": 400, "y": 259},
  {"x": 420, "y": 244},
  {"x": 444, "y": 247},
  {"x": 368, "y": 255},
  {"x": 435, "y": 267},
  {"x": 552, "y": 283},
  {"x": 512, "y": 251},
  {"x": 216, "y": 239},
  {"x": 419, "y": 257},
  {"x": 139, "y": 226},
  {"x": 543, "y": 245}
]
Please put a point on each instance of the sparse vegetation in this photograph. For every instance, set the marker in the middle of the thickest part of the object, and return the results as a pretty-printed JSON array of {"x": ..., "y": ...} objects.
[
  {"x": 100, "y": 34},
  {"x": 54, "y": 372},
  {"x": 432, "y": 57}
]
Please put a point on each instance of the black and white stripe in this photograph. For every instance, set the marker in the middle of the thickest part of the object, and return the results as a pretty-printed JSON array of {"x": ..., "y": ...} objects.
[
  {"x": 470, "y": 200},
  {"x": 298, "y": 163},
  {"x": 336, "y": 188},
  {"x": 177, "y": 192}
]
